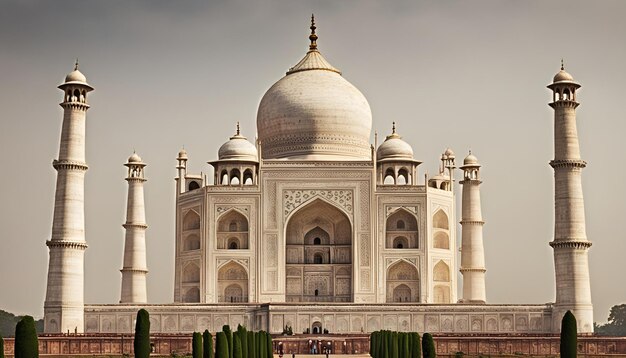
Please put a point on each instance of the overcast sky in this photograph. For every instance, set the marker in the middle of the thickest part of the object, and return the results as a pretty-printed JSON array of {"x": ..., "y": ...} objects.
[{"x": 464, "y": 74}]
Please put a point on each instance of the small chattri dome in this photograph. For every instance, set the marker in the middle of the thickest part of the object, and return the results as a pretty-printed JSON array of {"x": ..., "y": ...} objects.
[
  {"x": 562, "y": 75},
  {"x": 238, "y": 148},
  {"x": 134, "y": 158},
  {"x": 394, "y": 148},
  {"x": 449, "y": 153},
  {"x": 76, "y": 75},
  {"x": 470, "y": 159},
  {"x": 182, "y": 154}
]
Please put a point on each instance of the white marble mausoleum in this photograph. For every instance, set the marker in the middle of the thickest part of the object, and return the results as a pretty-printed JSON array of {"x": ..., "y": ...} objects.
[{"x": 314, "y": 226}]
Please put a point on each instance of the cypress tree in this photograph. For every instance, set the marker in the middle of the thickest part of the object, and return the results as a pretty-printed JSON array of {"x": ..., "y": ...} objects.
[
  {"x": 196, "y": 345},
  {"x": 229, "y": 336},
  {"x": 387, "y": 344},
  {"x": 373, "y": 337},
  {"x": 237, "y": 350},
  {"x": 262, "y": 343},
  {"x": 404, "y": 345},
  {"x": 251, "y": 345},
  {"x": 428, "y": 346},
  {"x": 394, "y": 345},
  {"x": 207, "y": 344},
  {"x": 1, "y": 347},
  {"x": 270, "y": 346},
  {"x": 26, "y": 345},
  {"x": 141, "y": 343},
  {"x": 243, "y": 336},
  {"x": 221, "y": 346},
  {"x": 416, "y": 345},
  {"x": 568, "y": 336}
]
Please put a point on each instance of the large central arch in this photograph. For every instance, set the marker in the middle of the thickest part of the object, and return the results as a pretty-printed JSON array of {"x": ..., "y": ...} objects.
[{"x": 319, "y": 254}]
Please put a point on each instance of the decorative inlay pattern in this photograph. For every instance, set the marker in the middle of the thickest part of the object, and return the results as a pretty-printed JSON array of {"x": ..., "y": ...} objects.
[
  {"x": 364, "y": 250},
  {"x": 294, "y": 198},
  {"x": 271, "y": 250},
  {"x": 225, "y": 208}
]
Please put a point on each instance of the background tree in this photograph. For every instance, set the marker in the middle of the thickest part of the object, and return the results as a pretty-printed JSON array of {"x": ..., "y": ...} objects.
[
  {"x": 141, "y": 343},
  {"x": 568, "y": 336},
  {"x": 251, "y": 345},
  {"x": 207, "y": 344},
  {"x": 26, "y": 345},
  {"x": 617, "y": 322},
  {"x": 428, "y": 346},
  {"x": 221, "y": 345}
]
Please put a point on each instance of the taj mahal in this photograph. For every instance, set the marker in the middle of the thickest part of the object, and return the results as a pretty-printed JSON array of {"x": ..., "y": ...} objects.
[{"x": 313, "y": 226}]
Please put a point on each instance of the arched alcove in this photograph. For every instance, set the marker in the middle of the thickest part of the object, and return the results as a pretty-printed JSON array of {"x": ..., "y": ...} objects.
[
  {"x": 441, "y": 294},
  {"x": 191, "y": 221},
  {"x": 191, "y": 273},
  {"x": 402, "y": 283},
  {"x": 401, "y": 230},
  {"x": 232, "y": 227},
  {"x": 441, "y": 272},
  {"x": 232, "y": 282},
  {"x": 319, "y": 234},
  {"x": 440, "y": 220}
]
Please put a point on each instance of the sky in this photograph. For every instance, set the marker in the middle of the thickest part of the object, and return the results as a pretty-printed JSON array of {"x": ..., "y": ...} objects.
[{"x": 167, "y": 74}]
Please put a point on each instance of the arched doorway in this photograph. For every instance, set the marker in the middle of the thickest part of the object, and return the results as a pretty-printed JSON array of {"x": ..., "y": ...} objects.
[{"x": 319, "y": 254}]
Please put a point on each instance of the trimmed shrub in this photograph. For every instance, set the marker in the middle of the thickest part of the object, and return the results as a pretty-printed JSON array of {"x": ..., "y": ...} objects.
[
  {"x": 229, "y": 336},
  {"x": 394, "y": 345},
  {"x": 237, "y": 351},
  {"x": 251, "y": 345},
  {"x": 243, "y": 336},
  {"x": 221, "y": 346},
  {"x": 568, "y": 336},
  {"x": 26, "y": 345},
  {"x": 428, "y": 346},
  {"x": 416, "y": 345},
  {"x": 141, "y": 344},
  {"x": 196, "y": 345},
  {"x": 207, "y": 344},
  {"x": 269, "y": 347}
]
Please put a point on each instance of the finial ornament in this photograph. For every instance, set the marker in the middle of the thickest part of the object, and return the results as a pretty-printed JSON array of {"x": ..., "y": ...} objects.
[
  {"x": 393, "y": 128},
  {"x": 76, "y": 65},
  {"x": 562, "y": 66},
  {"x": 313, "y": 36},
  {"x": 238, "y": 129}
]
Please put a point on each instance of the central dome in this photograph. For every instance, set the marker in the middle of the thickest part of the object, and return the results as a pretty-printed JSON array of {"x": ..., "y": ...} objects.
[{"x": 313, "y": 113}]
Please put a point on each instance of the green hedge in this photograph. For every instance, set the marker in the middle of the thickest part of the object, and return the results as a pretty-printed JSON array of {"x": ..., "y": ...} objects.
[
  {"x": 428, "y": 346},
  {"x": 207, "y": 344}
]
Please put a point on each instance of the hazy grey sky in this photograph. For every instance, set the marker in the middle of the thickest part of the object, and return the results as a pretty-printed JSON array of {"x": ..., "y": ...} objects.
[{"x": 464, "y": 74}]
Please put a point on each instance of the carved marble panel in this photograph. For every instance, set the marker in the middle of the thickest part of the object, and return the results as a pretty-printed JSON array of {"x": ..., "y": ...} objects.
[
  {"x": 187, "y": 323},
  {"x": 293, "y": 198}
]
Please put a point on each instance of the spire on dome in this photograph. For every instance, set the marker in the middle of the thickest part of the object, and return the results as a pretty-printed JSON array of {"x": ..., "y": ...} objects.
[
  {"x": 562, "y": 66},
  {"x": 313, "y": 36},
  {"x": 238, "y": 129},
  {"x": 76, "y": 65}
]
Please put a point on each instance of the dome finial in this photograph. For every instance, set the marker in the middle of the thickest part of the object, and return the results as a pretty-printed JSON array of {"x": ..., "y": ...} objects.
[
  {"x": 76, "y": 65},
  {"x": 562, "y": 66},
  {"x": 313, "y": 36},
  {"x": 238, "y": 129},
  {"x": 393, "y": 128}
]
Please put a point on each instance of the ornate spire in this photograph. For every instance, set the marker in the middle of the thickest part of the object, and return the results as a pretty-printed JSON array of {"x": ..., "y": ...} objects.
[
  {"x": 313, "y": 36},
  {"x": 238, "y": 129},
  {"x": 393, "y": 128},
  {"x": 562, "y": 66},
  {"x": 76, "y": 65}
]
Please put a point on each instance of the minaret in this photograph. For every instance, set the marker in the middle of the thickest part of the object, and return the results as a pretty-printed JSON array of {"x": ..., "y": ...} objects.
[
  {"x": 472, "y": 250},
  {"x": 64, "y": 304},
  {"x": 181, "y": 167},
  {"x": 570, "y": 244},
  {"x": 135, "y": 269}
]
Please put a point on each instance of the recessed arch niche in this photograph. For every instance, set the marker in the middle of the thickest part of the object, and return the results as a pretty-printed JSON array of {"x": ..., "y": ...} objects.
[
  {"x": 232, "y": 283},
  {"x": 402, "y": 283},
  {"x": 232, "y": 231},
  {"x": 401, "y": 230},
  {"x": 318, "y": 254}
]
